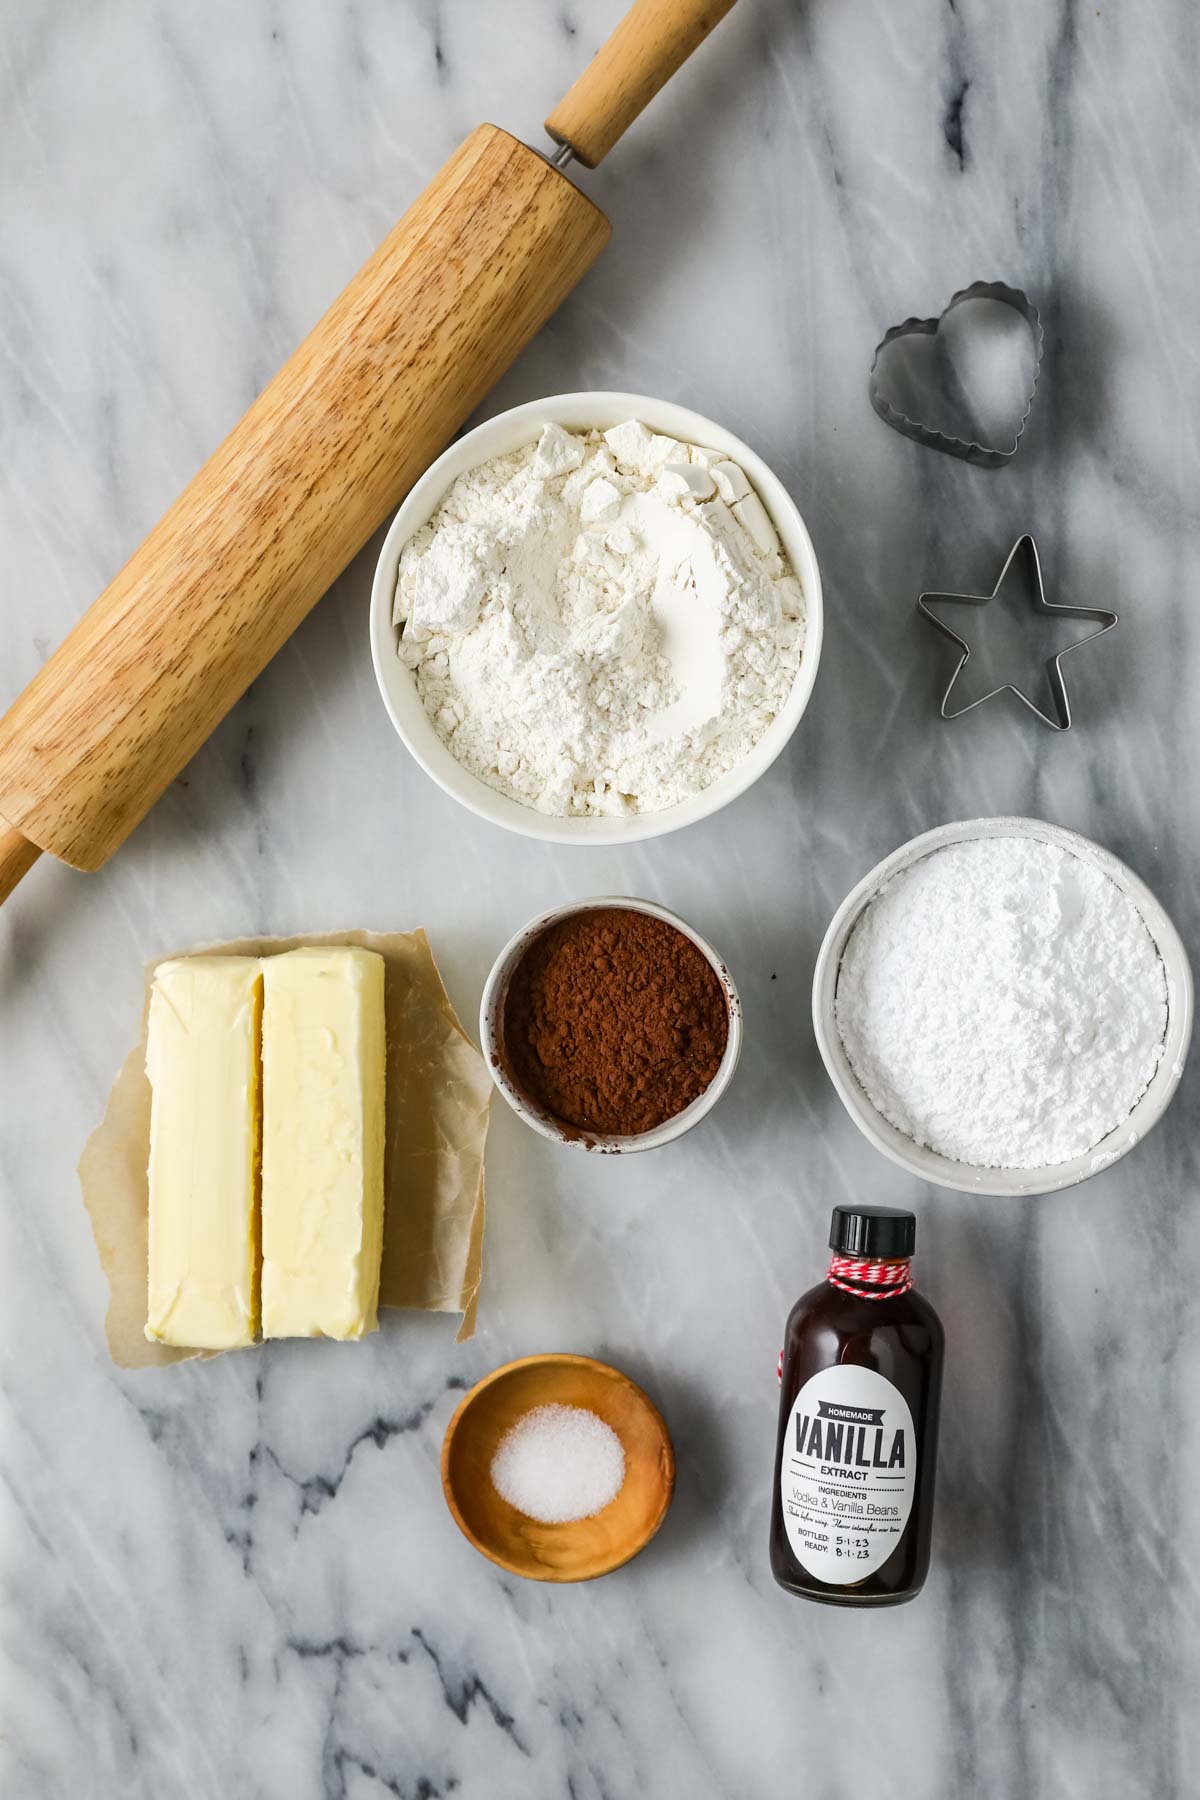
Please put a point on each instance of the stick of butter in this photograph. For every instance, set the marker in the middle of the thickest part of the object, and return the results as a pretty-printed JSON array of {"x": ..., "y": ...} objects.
[
  {"x": 323, "y": 1053},
  {"x": 202, "y": 1061}
]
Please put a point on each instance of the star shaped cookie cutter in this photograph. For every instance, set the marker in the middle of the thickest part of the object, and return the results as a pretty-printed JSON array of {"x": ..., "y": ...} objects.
[{"x": 1105, "y": 621}]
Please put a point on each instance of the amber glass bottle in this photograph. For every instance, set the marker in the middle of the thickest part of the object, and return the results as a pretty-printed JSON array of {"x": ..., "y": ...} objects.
[{"x": 861, "y": 1374}]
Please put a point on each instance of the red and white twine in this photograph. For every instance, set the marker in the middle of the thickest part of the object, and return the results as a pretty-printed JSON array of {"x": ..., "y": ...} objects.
[{"x": 869, "y": 1280}]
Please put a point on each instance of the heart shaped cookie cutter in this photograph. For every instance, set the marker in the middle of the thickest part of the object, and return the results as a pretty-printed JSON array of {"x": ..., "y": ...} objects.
[{"x": 984, "y": 456}]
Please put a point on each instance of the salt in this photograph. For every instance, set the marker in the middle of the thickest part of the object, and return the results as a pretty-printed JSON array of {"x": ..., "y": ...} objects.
[
  {"x": 1002, "y": 1002},
  {"x": 559, "y": 1464}
]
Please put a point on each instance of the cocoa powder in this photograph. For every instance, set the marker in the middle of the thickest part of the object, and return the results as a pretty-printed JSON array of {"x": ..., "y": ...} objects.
[{"x": 613, "y": 1022}]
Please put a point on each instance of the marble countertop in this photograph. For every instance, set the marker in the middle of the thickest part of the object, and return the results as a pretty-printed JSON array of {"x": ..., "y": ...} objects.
[{"x": 239, "y": 1578}]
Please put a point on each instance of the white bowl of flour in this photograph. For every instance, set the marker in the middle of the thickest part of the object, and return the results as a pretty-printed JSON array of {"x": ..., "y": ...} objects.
[
  {"x": 596, "y": 618},
  {"x": 1003, "y": 1007}
]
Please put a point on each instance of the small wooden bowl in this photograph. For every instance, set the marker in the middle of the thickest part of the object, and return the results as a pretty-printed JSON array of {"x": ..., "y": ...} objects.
[{"x": 588, "y": 1547}]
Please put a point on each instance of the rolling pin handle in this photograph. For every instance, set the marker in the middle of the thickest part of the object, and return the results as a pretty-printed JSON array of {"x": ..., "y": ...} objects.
[
  {"x": 653, "y": 40},
  {"x": 17, "y": 857}
]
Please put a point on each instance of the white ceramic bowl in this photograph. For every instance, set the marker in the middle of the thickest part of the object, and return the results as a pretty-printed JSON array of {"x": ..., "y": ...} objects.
[
  {"x": 491, "y": 1010},
  {"x": 508, "y": 431},
  {"x": 967, "y": 1178}
]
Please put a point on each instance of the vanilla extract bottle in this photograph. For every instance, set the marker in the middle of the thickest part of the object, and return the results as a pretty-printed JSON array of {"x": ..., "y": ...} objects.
[{"x": 861, "y": 1379}]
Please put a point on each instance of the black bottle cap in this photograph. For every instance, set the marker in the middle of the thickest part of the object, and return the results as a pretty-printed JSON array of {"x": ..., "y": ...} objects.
[{"x": 879, "y": 1232}]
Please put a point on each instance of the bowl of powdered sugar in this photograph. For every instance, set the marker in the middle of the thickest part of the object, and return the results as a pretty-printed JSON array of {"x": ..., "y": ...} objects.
[
  {"x": 1003, "y": 1007},
  {"x": 596, "y": 618}
]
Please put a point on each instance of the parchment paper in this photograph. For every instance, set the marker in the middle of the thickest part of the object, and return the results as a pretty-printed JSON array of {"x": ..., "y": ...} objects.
[{"x": 438, "y": 1093}]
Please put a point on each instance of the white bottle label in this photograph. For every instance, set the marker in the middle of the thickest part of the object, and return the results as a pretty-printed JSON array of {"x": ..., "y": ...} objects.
[{"x": 848, "y": 1472}]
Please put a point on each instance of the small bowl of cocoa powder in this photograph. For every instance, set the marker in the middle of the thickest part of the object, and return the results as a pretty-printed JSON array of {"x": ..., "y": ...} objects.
[{"x": 610, "y": 1025}]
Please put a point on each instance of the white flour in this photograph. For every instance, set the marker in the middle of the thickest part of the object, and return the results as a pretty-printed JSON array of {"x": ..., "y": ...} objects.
[
  {"x": 1003, "y": 1003},
  {"x": 602, "y": 623}
]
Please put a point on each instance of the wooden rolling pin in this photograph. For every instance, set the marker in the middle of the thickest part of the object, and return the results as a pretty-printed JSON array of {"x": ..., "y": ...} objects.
[{"x": 403, "y": 356}]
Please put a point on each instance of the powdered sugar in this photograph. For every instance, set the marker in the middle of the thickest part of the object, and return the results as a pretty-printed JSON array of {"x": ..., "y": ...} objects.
[
  {"x": 1002, "y": 1002},
  {"x": 600, "y": 623}
]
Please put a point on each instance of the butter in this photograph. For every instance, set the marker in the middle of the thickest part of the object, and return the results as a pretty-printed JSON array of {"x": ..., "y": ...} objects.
[
  {"x": 323, "y": 1054},
  {"x": 202, "y": 1061}
]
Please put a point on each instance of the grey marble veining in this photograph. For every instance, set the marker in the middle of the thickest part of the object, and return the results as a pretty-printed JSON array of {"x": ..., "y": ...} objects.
[{"x": 239, "y": 1578}]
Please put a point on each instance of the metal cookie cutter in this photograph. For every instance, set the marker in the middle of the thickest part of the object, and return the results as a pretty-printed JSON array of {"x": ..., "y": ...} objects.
[
  {"x": 983, "y": 456},
  {"x": 1058, "y": 687}
]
